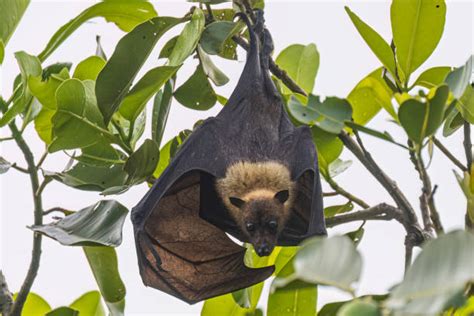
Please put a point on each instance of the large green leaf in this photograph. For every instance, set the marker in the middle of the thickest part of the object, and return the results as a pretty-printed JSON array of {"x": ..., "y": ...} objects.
[
  {"x": 329, "y": 148},
  {"x": 143, "y": 162},
  {"x": 358, "y": 308},
  {"x": 328, "y": 115},
  {"x": 216, "y": 38},
  {"x": 77, "y": 122},
  {"x": 29, "y": 66},
  {"x": 331, "y": 309},
  {"x": 188, "y": 39},
  {"x": 129, "y": 56},
  {"x": 96, "y": 225},
  {"x": 11, "y": 12},
  {"x": 125, "y": 14},
  {"x": 369, "y": 96},
  {"x": 417, "y": 27},
  {"x": 135, "y": 101},
  {"x": 211, "y": 70},
  {"x": 301, "y": 63},
  {"x": 161, "y": 109},
  {"x": 45, "y": 90},
  {"x": 432, "y": 77},
  {"x": 89, "y": 304},
  {"x": 89, "y": 68},
  {"x": 376, "y": 43},
  {"x": 92, "y": 178},
  {"x": 465, "y": 104},
  {"x": 327, "y": 261},
  {"x": 453, "y": 122},
  {"x": 460, "y": 78},
  {"x": 101, "y": 154},
  {"x": 104, "y": 265},
  {"x": 63, "y": 311},
  {"x": 222, "y": 305},
  {"x": 438, "y": 277},
  {"x": 35, "y": 305},
  {"x": 422, "y": 119},
  {"x": 196, "y": 93}
]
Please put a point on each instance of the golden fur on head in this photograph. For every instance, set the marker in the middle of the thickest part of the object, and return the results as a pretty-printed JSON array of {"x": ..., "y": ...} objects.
[{"x": 260, "y": 180}]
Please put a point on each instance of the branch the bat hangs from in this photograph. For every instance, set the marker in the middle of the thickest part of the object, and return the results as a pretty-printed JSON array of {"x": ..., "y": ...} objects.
[{"x": 249, "y": 173}]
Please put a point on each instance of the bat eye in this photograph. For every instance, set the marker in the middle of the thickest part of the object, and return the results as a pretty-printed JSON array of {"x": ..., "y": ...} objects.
[
  {"x": 272, "y": 225},
  {"x": 250, "y": 227}
]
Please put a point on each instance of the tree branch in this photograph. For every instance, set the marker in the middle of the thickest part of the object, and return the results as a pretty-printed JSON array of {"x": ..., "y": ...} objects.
[
  {"x": 448, "y": 154},
  {"x": 38, "y": 220},
  {"x": 275, "y": 70},
  {"x": 346, "y": 194},
  {"x": 6, "y": 299},
  {"x": 468, "y": 151},
  {"x": 381, "y": 211},
  {"x": 16, "y": 167},
  {"x": 415, "y": 235}
]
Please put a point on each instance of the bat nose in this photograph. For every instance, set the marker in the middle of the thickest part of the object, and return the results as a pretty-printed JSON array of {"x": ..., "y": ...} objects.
[{"x": 264, "y": 250}]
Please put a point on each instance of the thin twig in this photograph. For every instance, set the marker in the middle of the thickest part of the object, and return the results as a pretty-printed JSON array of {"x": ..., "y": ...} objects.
[
  {"x": 5, "y": 139},
  {"x": 209, "y": 12},
  {"x": 42, "y": 159},
  {"x": 329, "y": 194},
  {"x": 468, "y": 151},
  {"x": 275, "y": 69},
  {"x": 339, "y": 190},
  {"x": 43, "y": 185},
  {"x": 381, "y": 211},
  {"x": 57, "y": 209},
  {"x": 38, "y": 220},
  {"x": 448, "y": 154},
  {"x": 16, "y": 167}
]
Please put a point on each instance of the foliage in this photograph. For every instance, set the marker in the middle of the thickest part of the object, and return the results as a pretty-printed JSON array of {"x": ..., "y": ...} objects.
[{"x": 95, "y": 112}]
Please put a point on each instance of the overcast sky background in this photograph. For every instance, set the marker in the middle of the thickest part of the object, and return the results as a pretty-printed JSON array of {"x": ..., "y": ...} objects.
[{"x": 345, "y": 59}]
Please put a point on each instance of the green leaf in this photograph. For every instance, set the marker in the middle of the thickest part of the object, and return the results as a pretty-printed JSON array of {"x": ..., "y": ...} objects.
[
  {"x": 438, "y": 277},
  {"x": 459, "y": 79},
  {"x": 329, "y": 115},
  {"x": 168, "y": 47},
  {"x": 77, "y": 122},
  {"x": 369, "y": 96},
  {"x": 100, "y": 154},
  {"x": 222, "y": 305},
  {"x": 369, "y": 131},
  {"x": 2, "y": 51},
  {"x": 97, "y": 225},
  {"x": 143, "y": 162},
  {"x": 331, "y": 309},
  {"x": 188, "y": 39},
  {"x": 129, "y": 56},
  {"x": 4, "y": 165},
  {"x": 103, "y": 262},
  {"x": 92, "y": 178},
  {"x": 196, "y": 93},
  {"x": 211, "y": 70},
  {"x": 327, "y": 261},
  {"x": 89, "y": 68},
  {"x": 43, "y": 125},
  {"x": 290, "y": 302},
  {"x": 29, "y": 66},
  {"x": 45, "y": 90},
  {"x": 453, "y": 122},
  {"x": 55, "y": 69},
  {"x": 334, "y": 210},
  {"x": 216, "y": 38},
  {"x": 338, "y": 166},
  {"x": 161, "y": 109},
  {"x": 210, "y": 1},
  {"x": 11, "y": 12},
  {"x": 89, "y": 304},
  {"x": 356, "y": 308},
  {"x": 465, "y": 105},
  {"x": 125, "y": 14},
  {"x": 422, "y": 119},
  {"x": 417, "y": 27},
  {"x": 135, "y": 101},
  {"x": 432, "y": 77},
  {"x": 376, "y": 43},
  {"x": 329, "y": 148},
  {"x": 35, "y": 305},
  {"x": 63, "y": 311},
  {"x": 301, "y": 63}
]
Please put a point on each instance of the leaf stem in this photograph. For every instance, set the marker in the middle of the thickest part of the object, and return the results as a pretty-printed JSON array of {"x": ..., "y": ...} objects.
[
  {"x": 339, "y": 190},
  {"x": 56, "y": 209},
  {"x": 448, "y": 154},
  {"x": 42, "y": 159},
  {"x": 468, "y": 151},
  {"x": 38, "y": 220},
  {"x": 16, "y": 167}
]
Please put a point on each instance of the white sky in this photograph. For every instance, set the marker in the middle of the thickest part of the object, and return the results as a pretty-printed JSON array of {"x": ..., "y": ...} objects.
[{"x": 345, "y": 59}]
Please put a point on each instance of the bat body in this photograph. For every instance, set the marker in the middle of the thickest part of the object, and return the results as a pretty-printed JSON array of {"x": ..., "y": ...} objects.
[{"x": 181, "y": 224}]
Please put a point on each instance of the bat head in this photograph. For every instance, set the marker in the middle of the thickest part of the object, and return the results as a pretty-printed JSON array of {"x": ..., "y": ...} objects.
[{"x": 262, "y": 219}]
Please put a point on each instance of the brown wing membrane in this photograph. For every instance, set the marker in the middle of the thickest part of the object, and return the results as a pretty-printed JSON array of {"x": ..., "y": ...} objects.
[{"x": 186, "y": 256}]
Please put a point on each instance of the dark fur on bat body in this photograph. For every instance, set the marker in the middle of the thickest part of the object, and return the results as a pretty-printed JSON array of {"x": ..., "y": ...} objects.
[{"x": 181, "y": 224}]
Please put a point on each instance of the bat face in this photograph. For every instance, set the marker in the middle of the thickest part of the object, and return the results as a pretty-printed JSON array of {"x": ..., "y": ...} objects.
[{"x": 262, "y": 219}]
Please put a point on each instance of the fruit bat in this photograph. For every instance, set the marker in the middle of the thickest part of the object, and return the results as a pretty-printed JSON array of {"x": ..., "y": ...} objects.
[{"x": 181, "y": 225}]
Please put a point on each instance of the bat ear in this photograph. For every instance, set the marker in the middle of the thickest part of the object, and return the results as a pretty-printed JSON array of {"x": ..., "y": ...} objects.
[
  {"x": 282, "y": 196},
  {"x": 237, "y": 202}
]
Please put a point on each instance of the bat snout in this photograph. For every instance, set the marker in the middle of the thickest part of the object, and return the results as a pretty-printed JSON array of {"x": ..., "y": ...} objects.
[{"x": 264, "y": 250}]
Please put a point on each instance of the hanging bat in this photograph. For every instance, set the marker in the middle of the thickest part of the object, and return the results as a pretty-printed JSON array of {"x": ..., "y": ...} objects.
[{"x": 249, "y": 173}]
